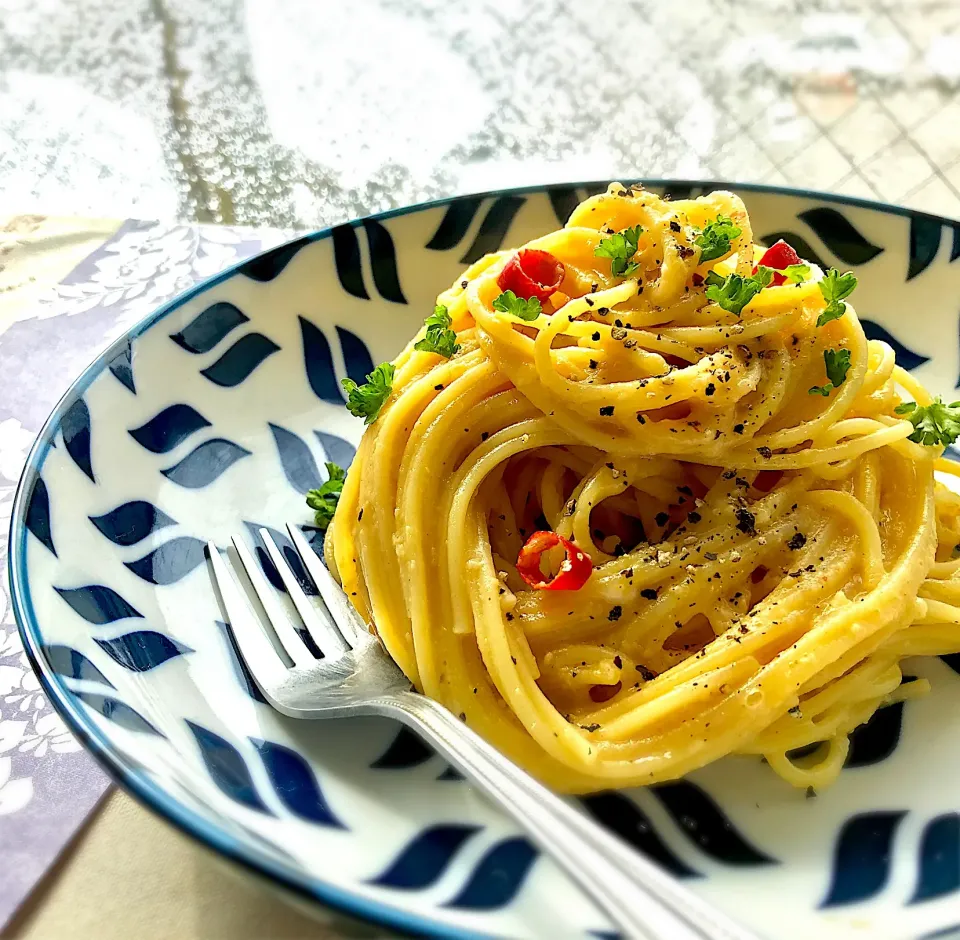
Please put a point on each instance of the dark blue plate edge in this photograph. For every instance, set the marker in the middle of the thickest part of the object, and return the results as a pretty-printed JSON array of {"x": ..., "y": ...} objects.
[{"x": 138, "y": 785}]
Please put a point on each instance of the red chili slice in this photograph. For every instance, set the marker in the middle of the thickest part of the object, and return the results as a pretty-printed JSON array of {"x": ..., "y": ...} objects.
[
  {"x": 766, "y": 480},
  {"x": 779, "y": 256},
  {"x": 532, "y": 273},
  {"x": 574, "y": 571}
]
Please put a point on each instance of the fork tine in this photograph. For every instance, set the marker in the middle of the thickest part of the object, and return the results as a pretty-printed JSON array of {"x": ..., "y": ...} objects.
[
  {"x": 289, "y": 639},
  {"x": 257, "y": 651},
  {"x": 344, "y": 615},
  {"x": 325, "y": 633}
]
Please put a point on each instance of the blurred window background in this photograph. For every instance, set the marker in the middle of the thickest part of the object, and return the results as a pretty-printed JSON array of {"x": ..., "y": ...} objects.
[{"x": 301, "y": 113}]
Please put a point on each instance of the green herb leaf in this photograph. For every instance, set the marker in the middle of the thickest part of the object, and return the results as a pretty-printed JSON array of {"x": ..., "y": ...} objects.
[
  {"x": 835, "y": 287},
  {"x": 796, "y": 273},
  {"x": 365, "y": 401},
  {"x": 620, "y": 248},
  {"x": 933, "y": 424},
  {"x": 323, "y": 501},
  {"x": 837, "y": 364},
  {"x": 734, "y": 292},
  {"x": 440, "y": 339},
  {"x": 524, "y": 309},
  {"x": 714, "y": 240}
]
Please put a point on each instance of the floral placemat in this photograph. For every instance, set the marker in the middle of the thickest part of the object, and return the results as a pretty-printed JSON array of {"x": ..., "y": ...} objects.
[{"x": 48, "y": 333}]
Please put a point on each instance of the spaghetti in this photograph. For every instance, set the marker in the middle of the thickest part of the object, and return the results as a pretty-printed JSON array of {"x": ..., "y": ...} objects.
[{"x": 763, "y": 549}]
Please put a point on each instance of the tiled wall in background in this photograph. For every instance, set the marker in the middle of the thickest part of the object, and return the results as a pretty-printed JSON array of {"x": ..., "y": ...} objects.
[{"x": 299, "y": 114}]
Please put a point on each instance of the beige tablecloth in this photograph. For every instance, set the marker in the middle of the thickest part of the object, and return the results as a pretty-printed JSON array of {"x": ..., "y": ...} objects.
[{"x": 131, "y": 876}]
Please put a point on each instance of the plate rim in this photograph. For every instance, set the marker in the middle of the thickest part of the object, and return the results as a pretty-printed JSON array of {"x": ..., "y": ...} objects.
[{"x": 131, "y": 779}]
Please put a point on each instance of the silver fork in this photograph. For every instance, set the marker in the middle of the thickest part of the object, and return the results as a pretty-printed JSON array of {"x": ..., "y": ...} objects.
[{"x": 358, "y": 677}]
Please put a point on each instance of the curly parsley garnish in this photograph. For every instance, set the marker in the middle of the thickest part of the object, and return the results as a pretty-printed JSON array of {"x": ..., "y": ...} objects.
[
  {"x": 835, "y": 287},
  {"x": 714, "y": 240},
  {"x": 620, "y": 248},
  {"x": 365, "y": 401},
  {"x": 324, "y": 500},
  {"x": 796, "y": 273},
  {"x": 734, "y": 292},
  {"x": 440, "y": 339},
  {"x": 525, "y": 309},
  {"x": 933, "y": 424},
  {"x": 837, "y": 363}
]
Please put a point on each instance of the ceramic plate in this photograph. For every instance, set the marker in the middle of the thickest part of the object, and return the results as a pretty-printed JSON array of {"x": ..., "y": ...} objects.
[{"x": 213, "y": 417}]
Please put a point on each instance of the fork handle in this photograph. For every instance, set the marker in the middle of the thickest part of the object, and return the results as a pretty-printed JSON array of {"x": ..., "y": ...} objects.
[{"x": 644, "y": 902}]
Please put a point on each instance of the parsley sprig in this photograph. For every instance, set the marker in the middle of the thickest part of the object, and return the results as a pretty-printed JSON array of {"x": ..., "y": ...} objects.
[
  {"x": 796, "y": 273},
  {"x": 523, "y": 308},
  {"x": 835, "y": 287},
  {"x": 323, "y": 501},
  {"x": 734, "y": 291},
  {"x": 440, "y": 339},
  {"x": 714, "y": 240},
  {"x": 837, "y": 364},
  {"x": 933, "y": 424},
  {"x": 365, "y": 401},
  {"x": 620, "y": 248}
]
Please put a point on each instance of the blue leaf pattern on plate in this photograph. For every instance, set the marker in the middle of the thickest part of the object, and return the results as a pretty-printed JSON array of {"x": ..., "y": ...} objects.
[
  {"x": 169, "y": 428},
  {"x": 905, "y": 357},
  {"x": 624, "y": 818},
  {"x": 862, "y": 857},
  {"x": 494, "y": 227},
  {"x": 66, "y": 661},
  {"x": 288, "y": 552},
  {"x": 298, "y": 464},
  {"x": 295, "y": 784},
  {"x": 37, "y": 519},
  {"x": 171, "y": 561},
  {"x": 947, "y": 933},
  {"x": 383, "y": 260},
  {"x": 318, "y": 362},
  {"x": 346, "y": 258},
  {"x": 338, "y": 450},
  {"x": 876, "y": 740},
  {"x": 120, "y": 713},
  {"x": 269, "y": 265},
  {"x": 236, "y": 364},
  {"x": 132, "y": 522},
  {"x": 704, "y": 823},
  {"x": 121, "y": 366},
  {"x": 314, "y": 537},
  {"x": 202, "y": 333},
  {"x": 455, "y": 223},
  {"x": 939, "y": 872},
  {"x": 98, "y": 604},
  {"x": 75, "y": 428},
  {"x": 227, "y": 768},
  {"x": 424, "y": 860},
  {"x": 924, "y": 244},
  {"x": 563, "y": 199},
  {"x": 142, "y": 650},
  {"x": 498, "y": 876},
  {"x": 240, "y": 669},
  {"x": 406, "y": 750},
  {"x": 205, "y": 463},
  {"x": 837, "y": 232},
  {"x": 356, "y": 356}
]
